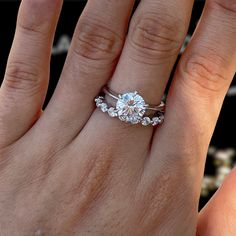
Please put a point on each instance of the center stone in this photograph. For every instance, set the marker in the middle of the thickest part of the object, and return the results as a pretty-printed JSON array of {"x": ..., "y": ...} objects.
[{"x": 131, "y": 107}]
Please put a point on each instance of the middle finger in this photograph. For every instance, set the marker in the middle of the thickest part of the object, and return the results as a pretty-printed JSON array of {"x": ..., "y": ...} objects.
[{"x": 95, "y": 48}]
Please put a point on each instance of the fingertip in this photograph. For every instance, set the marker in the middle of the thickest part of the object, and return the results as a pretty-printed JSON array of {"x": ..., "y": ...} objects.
[{"x": 42, "y": 8}]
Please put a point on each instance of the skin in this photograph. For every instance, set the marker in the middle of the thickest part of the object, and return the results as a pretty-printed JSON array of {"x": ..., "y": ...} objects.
[{"x": 72, "y": 170}]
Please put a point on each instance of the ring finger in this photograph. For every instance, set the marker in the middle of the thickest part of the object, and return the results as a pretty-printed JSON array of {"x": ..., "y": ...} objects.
[
  {"x": 155, "y": 37},
  {"x": 154, "y": 40}
]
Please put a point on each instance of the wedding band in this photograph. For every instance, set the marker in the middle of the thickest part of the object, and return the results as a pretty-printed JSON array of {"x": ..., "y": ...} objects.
[{"x": 130, "y": 107}]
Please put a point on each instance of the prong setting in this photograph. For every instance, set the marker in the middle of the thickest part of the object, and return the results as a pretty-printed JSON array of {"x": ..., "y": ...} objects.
[{"x": 131, "y": 108}]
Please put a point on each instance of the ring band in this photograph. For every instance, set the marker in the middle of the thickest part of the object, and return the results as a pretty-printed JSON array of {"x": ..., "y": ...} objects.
[{"x": 130, "y": 107}]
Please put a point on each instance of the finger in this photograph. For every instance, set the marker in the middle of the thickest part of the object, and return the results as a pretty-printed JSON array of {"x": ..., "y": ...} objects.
[
  {"x": 96, "y": 45},
  {"x": 134, "y": 140},
  {"x": 150, "y": 50},
  {"x": 200, "y": 84},
  {"x": 218, "y": 216},
  {"x": 26, "y": 78},
  {"x": 154, "y": 40}
]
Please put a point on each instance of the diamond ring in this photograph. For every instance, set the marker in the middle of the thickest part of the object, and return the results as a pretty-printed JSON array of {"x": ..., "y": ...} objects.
[{"x": 130, "y": 107}]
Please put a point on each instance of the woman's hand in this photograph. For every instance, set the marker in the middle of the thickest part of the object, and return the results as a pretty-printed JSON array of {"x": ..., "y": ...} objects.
[{"x": 72, "y": 170}]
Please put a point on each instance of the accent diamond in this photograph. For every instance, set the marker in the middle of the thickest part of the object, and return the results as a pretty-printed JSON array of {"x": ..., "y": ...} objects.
[
  {"x": 155, "y": 121},
  {"x": 131, "y": 107},
  {"x": 146, "y": 121},
  {"x": 122, "y": 118},
  {"x": 112, "y": 112},
  {"x": 103, "y": 107},
  {"x": 98, "y": 101},
  {"x": 134, "y": 121}
]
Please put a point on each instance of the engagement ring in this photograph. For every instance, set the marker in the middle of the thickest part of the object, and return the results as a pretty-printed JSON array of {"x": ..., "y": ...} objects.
[{"x": 130, "y": 107}]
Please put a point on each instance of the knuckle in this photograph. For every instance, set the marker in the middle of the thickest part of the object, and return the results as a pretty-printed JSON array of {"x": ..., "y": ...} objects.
[
  {"x": 23, "y": 78},
  {"x": 155, "y": 37},
  {"x": 204, "y": 73},
  {"x": 29, "y": 28},
  {"x": 40, "y": 19},
  {"x": 96, "y": 42}
]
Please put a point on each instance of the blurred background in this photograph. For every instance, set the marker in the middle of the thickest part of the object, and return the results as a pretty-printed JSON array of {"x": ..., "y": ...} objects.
[{"x": 222, "y": 151}]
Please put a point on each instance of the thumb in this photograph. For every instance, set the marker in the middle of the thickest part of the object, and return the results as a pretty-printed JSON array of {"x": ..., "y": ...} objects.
[{"x": 218, "y": 217}]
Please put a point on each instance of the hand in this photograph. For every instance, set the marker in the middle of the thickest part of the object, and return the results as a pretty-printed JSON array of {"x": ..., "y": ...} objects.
[{"x": 72, "y": 170}]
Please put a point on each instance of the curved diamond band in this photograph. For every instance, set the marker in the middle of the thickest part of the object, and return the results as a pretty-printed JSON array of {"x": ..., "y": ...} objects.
[{"x": 130, "y": 108}]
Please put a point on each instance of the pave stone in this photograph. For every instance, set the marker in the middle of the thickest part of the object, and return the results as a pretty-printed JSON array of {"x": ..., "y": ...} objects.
[
  {"x": 104, "y": 107},
  {"x": 112, "y": 112},
  {"x": 146, "y": 121}
]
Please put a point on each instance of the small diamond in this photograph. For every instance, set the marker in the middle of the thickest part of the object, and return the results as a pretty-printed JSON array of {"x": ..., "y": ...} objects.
[
  {"x": 103, "y": 107},
  {"x": 161, "y": 119},
  {"x": 134, "y": 121},
  {"x": 112, "y": 112},
  {"x": 98, "y": 104},
  {"x": 146, "y": 121},
  {"x": 122, "y": 118},
  {"x": 99, "y": 101},
  {"x": 155, "y": 121}
]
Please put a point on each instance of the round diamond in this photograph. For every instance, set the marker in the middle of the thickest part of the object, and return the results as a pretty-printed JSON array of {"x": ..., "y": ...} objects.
[
  {"x": 146, "y": 121},
  {"x": 134, "y": 121},
  {"x": 131, "y": 107},
  {"x": 103, "y": 107},
  {"x": 122, "y": 118},
  {"x": 155, "y": 121},
  {"x": 99, "y": 101},
  {"x": 112, "y": 112}
]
